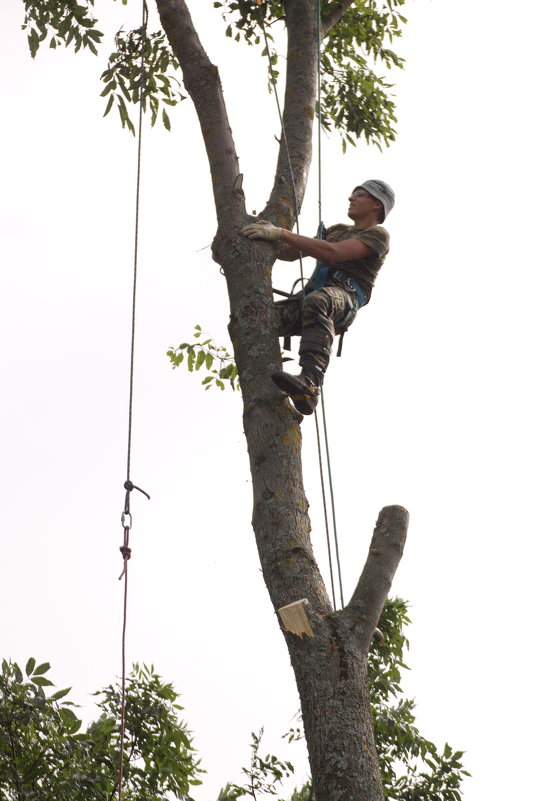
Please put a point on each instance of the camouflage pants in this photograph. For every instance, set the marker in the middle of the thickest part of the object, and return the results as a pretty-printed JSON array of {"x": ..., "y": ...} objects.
[{"x": 317, "y": 319}]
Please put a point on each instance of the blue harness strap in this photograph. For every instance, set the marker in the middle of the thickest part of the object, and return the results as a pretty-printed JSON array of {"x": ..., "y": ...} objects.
[{"x": 320, "y": 274}]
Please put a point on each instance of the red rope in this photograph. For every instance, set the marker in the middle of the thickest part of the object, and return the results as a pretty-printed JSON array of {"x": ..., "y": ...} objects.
[{"x": 126, "y": 552}]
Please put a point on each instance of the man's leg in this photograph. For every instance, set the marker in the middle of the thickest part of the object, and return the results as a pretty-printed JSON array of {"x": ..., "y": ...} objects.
[
  {"x": 289, "y": 313},
  {"x": 322, "y": 311}
]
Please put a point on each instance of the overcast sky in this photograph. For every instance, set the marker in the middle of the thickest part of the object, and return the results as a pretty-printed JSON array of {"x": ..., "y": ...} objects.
[{"x": 430, "y": 407}]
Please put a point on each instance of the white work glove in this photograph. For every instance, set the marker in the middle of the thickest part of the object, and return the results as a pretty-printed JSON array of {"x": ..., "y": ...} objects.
[{"x": 261, "y": 230}]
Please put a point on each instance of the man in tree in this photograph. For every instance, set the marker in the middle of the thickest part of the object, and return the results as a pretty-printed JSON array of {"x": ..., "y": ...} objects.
[
  {"x": 349, "y": 258},
  {"x": 331, "y": 667}
]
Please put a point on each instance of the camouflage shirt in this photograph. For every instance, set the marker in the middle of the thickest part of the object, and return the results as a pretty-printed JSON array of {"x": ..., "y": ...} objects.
[{"x": 363, "y": 271}]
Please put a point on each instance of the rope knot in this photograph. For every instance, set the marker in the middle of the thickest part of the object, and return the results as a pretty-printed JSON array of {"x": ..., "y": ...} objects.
[{"x": 126, "y": 552}]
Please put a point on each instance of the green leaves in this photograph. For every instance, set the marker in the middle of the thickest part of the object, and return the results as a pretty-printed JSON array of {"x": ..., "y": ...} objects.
[
  {"x": 140, "y": 69},
  {"x": 44, "y": 754},
  {"x": 263, "y": 774},
  {"x": 138, "y": 72},
  {"x": 35, "y": 733},
  {"x": 206, "y": 354},
  {"x": 161, "y": 758},
  {"x": 244, "y": 18},
  {"x": 356, "y": 100},
  {"x": 250, "y": 22},
  {"x": 64, "y": 21},
  {"x": 44, "y": 668},
  {"x": 411, "y": 765}
]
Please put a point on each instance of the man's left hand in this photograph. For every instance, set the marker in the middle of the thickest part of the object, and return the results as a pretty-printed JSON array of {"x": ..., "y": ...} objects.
[{"x": 262, "y": 230}]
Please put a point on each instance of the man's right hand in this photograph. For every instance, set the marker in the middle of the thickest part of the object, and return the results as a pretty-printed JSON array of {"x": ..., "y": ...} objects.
[{"x": 261, "y": 230}]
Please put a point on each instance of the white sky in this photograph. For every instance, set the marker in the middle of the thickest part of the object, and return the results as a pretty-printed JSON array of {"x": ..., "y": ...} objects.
[{"x": 430, "y": 407}]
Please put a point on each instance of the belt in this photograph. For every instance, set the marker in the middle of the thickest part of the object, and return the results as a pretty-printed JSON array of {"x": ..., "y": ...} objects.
[
  {"x": 323, "y": 272},
  {"x": 352, "y": 285}
]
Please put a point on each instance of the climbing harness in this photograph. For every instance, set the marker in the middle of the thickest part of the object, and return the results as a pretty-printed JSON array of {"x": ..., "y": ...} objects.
[
  {"x": 319, "y": 279},
  {"x": 126, "y": 516}
]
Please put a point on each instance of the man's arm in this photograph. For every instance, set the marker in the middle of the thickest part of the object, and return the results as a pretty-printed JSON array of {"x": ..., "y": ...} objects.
[{"x": 327, "y": 252}]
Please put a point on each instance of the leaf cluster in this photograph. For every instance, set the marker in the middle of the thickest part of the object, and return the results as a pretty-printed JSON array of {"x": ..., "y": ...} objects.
[
  {"x": 44, "y": 754},
  {"x": 412, "y": 767},
  {"x": 160, "y": 755},
  {"x": 356, "y": 100},
  {"x": 65, "y": 21},
  {"x": 251, "y": 21},
  {"x": 206, "y": 354},
  {"x": 263, "y": 774},
  {"x": 37, "y": 732},
  {"x": 245, "y": 18},
  {"x": 138, "y": 72}
]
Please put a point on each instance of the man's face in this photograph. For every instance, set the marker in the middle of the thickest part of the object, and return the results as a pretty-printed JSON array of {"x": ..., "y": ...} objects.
[{"x": 362, "y": 204}]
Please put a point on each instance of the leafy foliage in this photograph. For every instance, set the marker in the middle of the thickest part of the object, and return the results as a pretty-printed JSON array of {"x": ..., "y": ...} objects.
[
  {"x": 138, "y": 69},
  {"x": 263, "y": 774},
  {"x": 251, "y": 21},
  {"x": 355, "y": 100},
  {"x": 245, "y": 18},
  {"x": 65, "y": 21},
  {"x": 141, "y": 68},
  {"x": 44, "y": 754},
  {"x": 412, "y": 767},
  {"x": 304, "y": 793},
  {"x": 206, "y": 354}
]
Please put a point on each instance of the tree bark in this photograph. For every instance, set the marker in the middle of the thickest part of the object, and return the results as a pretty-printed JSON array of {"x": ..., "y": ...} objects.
[{"x": 331, "y": 667}]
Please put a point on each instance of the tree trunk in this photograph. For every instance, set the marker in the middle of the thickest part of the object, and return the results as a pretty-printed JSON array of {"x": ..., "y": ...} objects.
[{"x": 330, "y": 667}]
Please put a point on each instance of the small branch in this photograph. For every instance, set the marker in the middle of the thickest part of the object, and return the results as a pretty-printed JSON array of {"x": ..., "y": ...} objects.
[
  {"x": 386, "y": 550},
  {"x": 335, "y": 16}
]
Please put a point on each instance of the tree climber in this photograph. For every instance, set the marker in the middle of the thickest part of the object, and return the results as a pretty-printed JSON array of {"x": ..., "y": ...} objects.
[{"x": 349, "y": 258}]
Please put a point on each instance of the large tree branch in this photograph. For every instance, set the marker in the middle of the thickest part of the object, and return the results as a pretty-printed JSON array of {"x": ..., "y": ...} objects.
[
  {"x": 298, "y": 114},
  {"x": 386, "y": 550},
  {"x": 334, "y": 16},
  {"x": 201, "y": 79}
]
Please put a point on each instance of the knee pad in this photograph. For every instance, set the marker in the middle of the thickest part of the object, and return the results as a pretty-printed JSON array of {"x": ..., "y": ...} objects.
[{"x": 316, "y": 340}]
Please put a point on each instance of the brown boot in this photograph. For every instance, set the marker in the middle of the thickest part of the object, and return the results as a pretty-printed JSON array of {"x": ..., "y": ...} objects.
[{"x": 303, "y": 390}]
